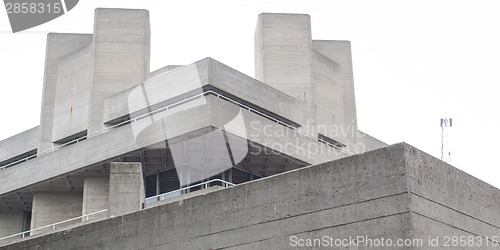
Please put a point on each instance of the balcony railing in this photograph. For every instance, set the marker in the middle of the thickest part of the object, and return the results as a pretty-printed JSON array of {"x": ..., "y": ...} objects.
[
  {"x": 218, "y": 95},
  {"x": 150, "y": 200},
  {"x": 54, "y": 225},
  {"x": 180, "y": 191}
]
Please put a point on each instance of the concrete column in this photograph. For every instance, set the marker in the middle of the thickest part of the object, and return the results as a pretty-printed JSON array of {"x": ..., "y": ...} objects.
[
  {"x": 126, "y": 188},
  {"x": 95, "y": 196},
  {"x": 11, "y": 222},
  {"x": 53, "y": 207}
]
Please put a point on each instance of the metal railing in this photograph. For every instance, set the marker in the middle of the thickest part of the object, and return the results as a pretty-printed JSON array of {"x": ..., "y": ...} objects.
[
  {"x": 220, "y": 96},
  {"x": 53, "y": 226},
  {"x": 178, "y": 192},
  {"x": 147, "y": 201},
  {"x": 103, "y": 130}
]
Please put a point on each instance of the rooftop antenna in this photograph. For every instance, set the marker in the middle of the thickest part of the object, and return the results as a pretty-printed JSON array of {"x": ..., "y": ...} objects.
[{"x": 446, "y": 123}]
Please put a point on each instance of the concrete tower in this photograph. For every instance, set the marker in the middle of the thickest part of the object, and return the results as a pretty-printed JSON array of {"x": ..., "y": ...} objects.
[
  {"x": 82, "y": 69},
  {"x": 318, "y": 73}
]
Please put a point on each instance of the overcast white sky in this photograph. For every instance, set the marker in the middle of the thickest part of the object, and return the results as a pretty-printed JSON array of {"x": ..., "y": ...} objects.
[{"x": 414, "y": 62}]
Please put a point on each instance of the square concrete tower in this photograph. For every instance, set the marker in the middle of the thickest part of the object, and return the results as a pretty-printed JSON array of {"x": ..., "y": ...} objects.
[
  {"x": 83, "y": 69},
  {"x": 121, "y": 48},
  {"x": 318, "y": 73}
]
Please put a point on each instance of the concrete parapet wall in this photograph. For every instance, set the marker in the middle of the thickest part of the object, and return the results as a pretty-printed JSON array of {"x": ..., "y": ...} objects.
[
  {"x": 396, "y": 192},
  {"x": 336, "y": 198},
  {"x": 19, "y": 144},
  {"x": 254, "y": 92},
  {"x": 448, "y": 202},
  {"x": 187, "y": 81}
]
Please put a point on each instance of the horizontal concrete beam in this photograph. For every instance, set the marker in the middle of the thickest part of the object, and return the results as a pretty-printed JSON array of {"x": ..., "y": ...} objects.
[
  {"x": 19, "y": 144},
  {"x": 186, "y": 81}
]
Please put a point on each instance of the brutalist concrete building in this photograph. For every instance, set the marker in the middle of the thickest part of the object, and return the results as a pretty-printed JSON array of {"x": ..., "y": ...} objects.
[{"x": 201, "y": 156}]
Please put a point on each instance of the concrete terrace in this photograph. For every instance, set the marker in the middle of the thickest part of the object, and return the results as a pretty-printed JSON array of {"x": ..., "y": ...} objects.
[{"x": 114, "y": 133}]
